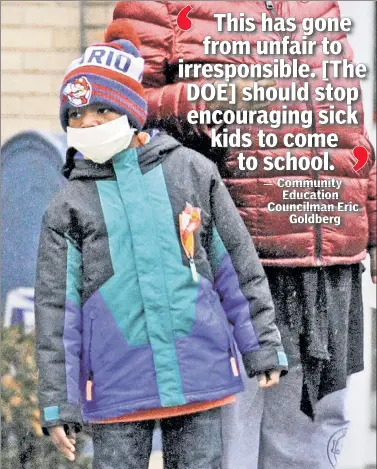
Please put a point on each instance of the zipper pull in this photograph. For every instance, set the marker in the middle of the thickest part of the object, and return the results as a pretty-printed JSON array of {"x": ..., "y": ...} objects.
[
  {"x": 194, "y": 272},
  {"x": 233, "y": 364},
  {"x": 269, "y": 5},
  {"x": 89, "y": 387}
]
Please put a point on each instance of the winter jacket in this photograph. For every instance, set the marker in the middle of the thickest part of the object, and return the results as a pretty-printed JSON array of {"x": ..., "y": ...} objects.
[
  {"x": 117, "y": 306},
  {"x": 278, "y": 242}
]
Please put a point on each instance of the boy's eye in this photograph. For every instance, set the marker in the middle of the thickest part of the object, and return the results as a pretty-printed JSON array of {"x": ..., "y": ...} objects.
[
  {"x": 103, "y": 110},
  {"x": 73, "y": 114}
]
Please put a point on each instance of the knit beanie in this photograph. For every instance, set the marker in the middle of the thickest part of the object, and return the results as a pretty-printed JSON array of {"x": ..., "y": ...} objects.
[{"x": 108, "y": 74}]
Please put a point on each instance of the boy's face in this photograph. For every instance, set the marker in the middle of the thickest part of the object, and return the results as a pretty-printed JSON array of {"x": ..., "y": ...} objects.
[
  {"x": 90, "y": 116},
  {"x": 97, "y": 114}
]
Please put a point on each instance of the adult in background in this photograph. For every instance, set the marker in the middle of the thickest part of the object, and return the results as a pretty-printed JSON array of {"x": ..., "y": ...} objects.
[{"x": 314, "y": 270}]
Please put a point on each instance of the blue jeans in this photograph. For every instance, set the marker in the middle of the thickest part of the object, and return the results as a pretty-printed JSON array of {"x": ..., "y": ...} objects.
[{"x": 189, "y": 442}]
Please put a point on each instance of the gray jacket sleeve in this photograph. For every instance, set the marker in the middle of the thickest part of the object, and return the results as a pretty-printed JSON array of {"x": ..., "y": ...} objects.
[
  {"x": 243, "y": 286},
  {"x": 58, "y": 325}
]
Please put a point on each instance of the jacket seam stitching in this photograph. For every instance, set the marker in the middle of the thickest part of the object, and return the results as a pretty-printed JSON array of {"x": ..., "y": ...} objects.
[{"x": 172, "y": 53}]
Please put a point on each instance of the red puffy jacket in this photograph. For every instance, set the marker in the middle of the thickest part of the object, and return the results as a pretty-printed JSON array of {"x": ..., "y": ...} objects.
[{"x": 278, "y": 241}]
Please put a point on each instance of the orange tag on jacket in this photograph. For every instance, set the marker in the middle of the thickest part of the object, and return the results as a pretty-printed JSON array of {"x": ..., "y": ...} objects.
[{"x": 189, "y": 222}]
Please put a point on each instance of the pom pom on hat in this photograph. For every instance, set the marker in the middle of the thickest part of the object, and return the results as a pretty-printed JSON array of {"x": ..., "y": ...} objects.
[
  {"x": 109, "y": 74},
  {"x": 121, "y": 29}
]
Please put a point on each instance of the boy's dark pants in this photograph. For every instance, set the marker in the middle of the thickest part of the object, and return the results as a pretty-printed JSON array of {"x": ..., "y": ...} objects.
[{"x": 189, "y": 442}]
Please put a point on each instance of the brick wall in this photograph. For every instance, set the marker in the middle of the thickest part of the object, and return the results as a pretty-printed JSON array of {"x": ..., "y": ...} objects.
[{"x": 39, "y": 40}]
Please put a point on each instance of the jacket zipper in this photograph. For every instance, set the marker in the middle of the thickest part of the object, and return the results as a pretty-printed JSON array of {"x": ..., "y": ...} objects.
[
  {"x": 89, "y": 382},
  {"x": 231, "y": 350},
  {"x": 89, "y": 387},
  {"x": 270, "y": 6},
  {"x": 194, "y": 272},
  {"x": 318, "y": 240},
  {"x": 233, "y": 363}
]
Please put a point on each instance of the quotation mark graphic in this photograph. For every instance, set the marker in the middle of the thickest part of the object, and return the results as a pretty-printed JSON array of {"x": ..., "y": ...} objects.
[
  {"x": 361, "y": 154},
  {"x": 183, "y": 21}
]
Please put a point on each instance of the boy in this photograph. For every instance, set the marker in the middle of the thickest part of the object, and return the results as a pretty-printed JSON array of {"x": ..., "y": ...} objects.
[{"x": 143, "y": 263}]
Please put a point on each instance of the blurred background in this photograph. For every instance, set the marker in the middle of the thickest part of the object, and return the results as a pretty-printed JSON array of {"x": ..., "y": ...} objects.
[{"x": 39, "y": 40}]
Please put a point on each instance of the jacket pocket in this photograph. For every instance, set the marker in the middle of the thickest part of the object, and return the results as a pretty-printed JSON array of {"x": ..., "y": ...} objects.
[
  {"x": 218, "y": 310},
  {"x": 88, "y": 368}
]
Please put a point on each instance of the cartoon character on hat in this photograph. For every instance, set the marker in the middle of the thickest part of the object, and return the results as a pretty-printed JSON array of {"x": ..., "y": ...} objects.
[{"x": 78, "y": 91}]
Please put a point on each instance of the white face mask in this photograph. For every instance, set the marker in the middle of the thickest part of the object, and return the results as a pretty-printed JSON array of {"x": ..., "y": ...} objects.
[{"x": 101, "y": 142}]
